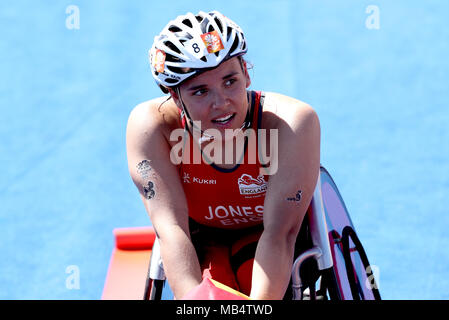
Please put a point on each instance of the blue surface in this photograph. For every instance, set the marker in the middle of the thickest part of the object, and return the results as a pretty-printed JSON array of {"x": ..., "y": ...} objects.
[{"x": 65, "y": 95}]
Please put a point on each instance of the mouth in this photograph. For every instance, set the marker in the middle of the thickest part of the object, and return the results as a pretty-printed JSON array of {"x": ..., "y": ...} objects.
[{"x": 224, "y": 120}]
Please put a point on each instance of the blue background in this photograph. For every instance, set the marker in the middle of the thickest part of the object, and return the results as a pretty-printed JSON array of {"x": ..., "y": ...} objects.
[{"x": 65, "y": 96}]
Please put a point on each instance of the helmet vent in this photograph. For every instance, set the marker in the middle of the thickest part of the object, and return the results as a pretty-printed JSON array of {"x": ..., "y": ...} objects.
[
  {"x": 220, "y": 26},
  {"x": 172, "y": 58},
  {"x": 169, "y": 80},
  {"x": 178, "y": 71},
  {"x": 210, "y": 28},
  {"x": 187, "y": 22},
  {"x": 243, "y": 42},
  {"x": 234, "y": 45},
  {"x": 170, "y": 45},
  {"x": 229, "y": 33},
  {"x": 174, "y": 29}
]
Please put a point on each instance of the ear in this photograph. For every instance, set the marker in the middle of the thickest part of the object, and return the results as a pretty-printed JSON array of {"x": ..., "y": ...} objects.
[{"x": 245, "y": 71}]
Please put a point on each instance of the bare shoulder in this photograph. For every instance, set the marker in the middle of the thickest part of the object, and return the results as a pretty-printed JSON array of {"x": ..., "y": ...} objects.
[
  {"x": 282, "y": 110},
  {"x": 156, "y": 116},
  {"x": 155, "y": 112}
]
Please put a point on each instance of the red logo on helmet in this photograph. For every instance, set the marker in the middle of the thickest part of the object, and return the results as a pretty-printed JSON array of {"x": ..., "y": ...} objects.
[
  {"x": 212, "y": 41},
  {"x": 159, "y": 61}
]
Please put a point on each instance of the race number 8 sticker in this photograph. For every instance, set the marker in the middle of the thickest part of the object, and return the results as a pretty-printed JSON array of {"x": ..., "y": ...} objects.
[{"x": 195, "y": 47}]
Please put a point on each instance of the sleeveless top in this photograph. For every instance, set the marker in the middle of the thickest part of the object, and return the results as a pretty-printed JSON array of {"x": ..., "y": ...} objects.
[{"x": 226, "y": 198}]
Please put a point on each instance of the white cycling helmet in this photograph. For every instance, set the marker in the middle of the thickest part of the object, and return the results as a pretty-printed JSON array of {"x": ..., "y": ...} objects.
[{"x": 192, "y": 44}]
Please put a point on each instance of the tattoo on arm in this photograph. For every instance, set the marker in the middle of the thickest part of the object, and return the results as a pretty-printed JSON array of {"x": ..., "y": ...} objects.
[
  {"x": 148, "y": 190},
  {"x": 297, "y": 198},
  {"x": 144, "y": 168}
]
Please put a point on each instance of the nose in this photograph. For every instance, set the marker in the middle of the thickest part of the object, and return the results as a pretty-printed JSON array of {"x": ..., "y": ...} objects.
[{"x": 220, "y": 101}]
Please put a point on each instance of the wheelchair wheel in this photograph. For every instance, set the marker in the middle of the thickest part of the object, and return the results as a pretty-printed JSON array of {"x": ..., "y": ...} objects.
[
  {"x": 352, "y": 275},
  {"x": 153, "y": 289}
]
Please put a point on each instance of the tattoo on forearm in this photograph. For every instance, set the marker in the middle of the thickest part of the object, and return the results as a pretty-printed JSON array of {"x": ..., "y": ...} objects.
[
  {"x": 144, "y": 168},
  {"x": 297, "y": 198}
]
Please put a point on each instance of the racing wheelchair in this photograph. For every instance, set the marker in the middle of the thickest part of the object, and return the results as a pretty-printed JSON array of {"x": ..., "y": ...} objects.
[{"x": 330, "y": 264}]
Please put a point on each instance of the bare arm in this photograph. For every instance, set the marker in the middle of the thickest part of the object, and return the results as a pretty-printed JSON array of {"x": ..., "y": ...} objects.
[
  {"x": 160, "y": 188},
  {"x": 289, "y": 193}
]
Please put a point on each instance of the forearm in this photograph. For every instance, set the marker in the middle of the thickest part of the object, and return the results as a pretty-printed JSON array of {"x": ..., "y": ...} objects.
[
  {"x": 180, "y": 260},
  {"x": 272, "y": 268}
]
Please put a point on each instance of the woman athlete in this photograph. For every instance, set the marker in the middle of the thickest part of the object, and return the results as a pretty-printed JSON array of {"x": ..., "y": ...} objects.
[{"x": 228, "y": 195}]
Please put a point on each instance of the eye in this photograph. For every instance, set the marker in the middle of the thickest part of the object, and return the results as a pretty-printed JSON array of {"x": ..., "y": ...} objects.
[
  {"x": 199, "y": 92},
  {"x": 230, "y": 82}
]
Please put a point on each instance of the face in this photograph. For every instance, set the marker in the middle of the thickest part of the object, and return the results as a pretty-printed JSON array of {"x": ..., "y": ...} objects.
[{"x": 217, "y": 98}]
